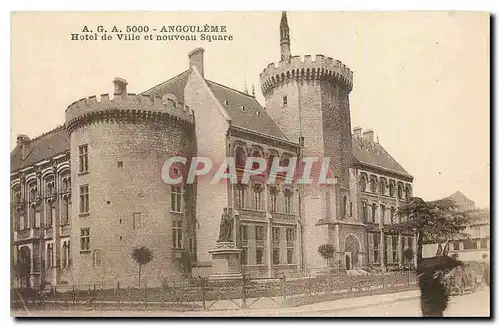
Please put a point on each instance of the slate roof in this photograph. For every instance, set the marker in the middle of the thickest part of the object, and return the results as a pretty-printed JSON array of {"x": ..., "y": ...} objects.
[
  {"x": 374, "y": 154},
  {"x": 246, "y": 118},
  {"x": 245, "y": 111},
  {"x": 40, "y": 148}
]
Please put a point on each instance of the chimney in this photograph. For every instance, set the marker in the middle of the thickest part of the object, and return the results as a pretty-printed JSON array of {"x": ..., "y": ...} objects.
[
  {"x": 369, "y": 135},
  {"x": 358, "y": 131},
  {"x": 120, "y": 86},
  {"x": 22, "y": 140},
  {"x": 196, "y": 59}
]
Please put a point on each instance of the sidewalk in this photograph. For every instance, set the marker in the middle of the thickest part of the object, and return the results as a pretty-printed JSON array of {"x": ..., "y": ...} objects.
[{"x": 306, "y": 310}]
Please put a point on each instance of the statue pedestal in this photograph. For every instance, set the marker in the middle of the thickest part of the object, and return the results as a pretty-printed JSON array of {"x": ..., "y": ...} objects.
[{"x": 226, "y": 262}]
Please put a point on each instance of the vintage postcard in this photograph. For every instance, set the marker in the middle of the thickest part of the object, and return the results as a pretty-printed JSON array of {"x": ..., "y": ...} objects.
[{"x": 225, "y": 164}]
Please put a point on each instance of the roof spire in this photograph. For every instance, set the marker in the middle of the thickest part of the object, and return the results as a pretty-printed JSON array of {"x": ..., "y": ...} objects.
[
  {"x": 253, "y": 89},
  {"x": 284, "y": 38}
]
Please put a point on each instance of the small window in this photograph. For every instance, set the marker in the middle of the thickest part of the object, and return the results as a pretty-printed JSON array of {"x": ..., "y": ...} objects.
[
  {"x": 243, "y": 108},
  {"x": 85, "y": 239},
  {"x": 226, "y": 103},
  {"x": 97, "y": 258},
  {"x": 259, "y": 233},
  {"x": 120, "y": 164},
  {"x": 285, "y": 101},
  {"x": 83, "y": 158},
  {"x": 259, "y": 113}
]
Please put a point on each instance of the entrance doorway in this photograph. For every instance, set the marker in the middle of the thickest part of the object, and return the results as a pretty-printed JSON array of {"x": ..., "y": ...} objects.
[{"x": 348, "y": 261}]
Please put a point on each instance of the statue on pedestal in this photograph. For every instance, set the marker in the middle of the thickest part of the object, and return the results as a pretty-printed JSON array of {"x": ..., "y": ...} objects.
[{"x": 226, "y": 227}]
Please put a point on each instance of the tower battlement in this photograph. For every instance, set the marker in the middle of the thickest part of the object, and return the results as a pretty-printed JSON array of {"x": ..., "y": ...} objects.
[
  {"x": 126, "y": 107},
  {"x": 304, "y": 68}
]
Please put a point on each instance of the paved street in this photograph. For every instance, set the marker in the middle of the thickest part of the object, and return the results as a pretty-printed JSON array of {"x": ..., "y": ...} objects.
[{"x": 469, "y": 305}]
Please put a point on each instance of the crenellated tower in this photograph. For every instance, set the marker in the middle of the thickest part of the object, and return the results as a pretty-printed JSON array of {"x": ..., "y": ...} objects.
[{"x": 309, "y": 100}]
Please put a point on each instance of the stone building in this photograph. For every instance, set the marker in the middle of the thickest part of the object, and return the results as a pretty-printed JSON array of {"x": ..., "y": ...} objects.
[{"x": 85, "y": 194}]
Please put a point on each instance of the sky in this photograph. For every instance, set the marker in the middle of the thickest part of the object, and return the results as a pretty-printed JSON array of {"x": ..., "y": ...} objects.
[{"x": 421, "y": 79}]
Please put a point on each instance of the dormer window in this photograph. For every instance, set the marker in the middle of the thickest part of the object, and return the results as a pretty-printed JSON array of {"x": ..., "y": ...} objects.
[
  {"x": 243, "y": 108},
  {"x": 259, "y": 113},
  {"x": 226, "y": 103}
]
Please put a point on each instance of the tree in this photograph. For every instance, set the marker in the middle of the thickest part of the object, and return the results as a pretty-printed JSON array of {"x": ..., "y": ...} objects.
[
  {"x": 142, "y": 256},
  {"x": 432, "y": 221},
  {"x": 327, "y": 251}
]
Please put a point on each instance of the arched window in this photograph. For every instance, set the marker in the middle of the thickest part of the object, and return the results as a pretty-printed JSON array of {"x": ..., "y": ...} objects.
[
  {"x": 363, "y": 182},
  {"x": 240, "y": 157},
  {"x": 408, "y": 191},
  {"x": 391, "y": 187},
  {"x": 373, "y": 184},
  {"x": 382, "y": 185}
]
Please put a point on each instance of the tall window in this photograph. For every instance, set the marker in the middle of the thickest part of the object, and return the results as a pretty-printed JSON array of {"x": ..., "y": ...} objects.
[
  {"x": 240, "y": 157},
  {"x": 376, "y": 250},
  {"x": 65, "y": 210},
  {"x": 244, "y": 255},
  {"x": 290, "y": 244},
  {"x": 382, "y": 213},
  {"x": 374, "y": 212},
  {"x": 391, "y": 187},
  {"x": 32, "y": 214},
  {"x": 276, "y": 234},
  {"x": 244, "y": 232},
  {"x": 240, "y": 196},
  {"x": 177, "y": 234},
  {"x": 49, "y": 214},
  {"x": 259, "y": 233},
  {"x": 393, "y": 215},
  {"x": 66, "y": 259},
  {"x": 97, "y": 258},
  {"x": 85, "y": 239},
  {"x": 394, "y": 248},
  {"x": 288, "y": 201},
  {"x": 408, "y": 191},
  {"x": 365, "y": 212},
  {"x": 176, "y": 198},
  {"x": 137, "y": 220},
  {"x": 344, "y": 206},
  {"x": 259, "y": 255},
  {"x": 382, "y": 185},
  {"x": 276, "y": 256},
  {"x": 274, "y": 199},
  {"x": 285, "y": 101},
  {"x": 363, "y": 182},
  {"x": 400, "y": 191},
  {"x": 83, "y": 158},
  {"x": 257, "y": 195},
  {"x": 373, "y": 184},
  {"x": 84, "y": 199},
  {"x": 50, "y": 256},
  {"x": 350, "y": 209}
]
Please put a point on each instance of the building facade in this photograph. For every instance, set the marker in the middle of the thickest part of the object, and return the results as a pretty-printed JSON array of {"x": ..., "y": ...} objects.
[{"x": 85, "y": 194}]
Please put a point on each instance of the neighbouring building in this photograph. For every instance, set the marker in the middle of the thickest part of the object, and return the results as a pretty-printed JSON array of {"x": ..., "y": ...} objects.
[
  {"x": 86, "y": 193},
  {"x": 475, "y": 247}
]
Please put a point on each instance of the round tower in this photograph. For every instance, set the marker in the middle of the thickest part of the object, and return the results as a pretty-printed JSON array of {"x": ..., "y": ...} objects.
[
  {"x": 309, "y": 100},
  {"x": 118, "y": 147}
]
